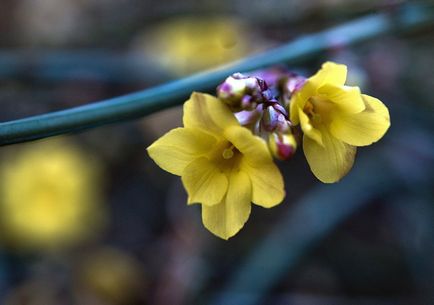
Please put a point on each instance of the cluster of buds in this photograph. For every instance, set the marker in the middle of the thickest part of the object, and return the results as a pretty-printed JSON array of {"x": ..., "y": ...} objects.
[
  {"x": 242, "y": 92},
  {"x": 260, "y": 107},
  {"x": 274, "y": 117},
  {"x": 285, "y": 83},
  {"x": 275, "y": 122}
]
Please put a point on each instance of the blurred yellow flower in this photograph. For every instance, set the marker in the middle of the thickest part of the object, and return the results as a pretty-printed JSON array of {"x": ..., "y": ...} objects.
[
  {"x": 110, "y": 275},
  {"x": 335, "y": 119},
  {"x": 222, "y": 165},
  {"x": 49, "y": 196},
  {"x": 186, "y": 45}
]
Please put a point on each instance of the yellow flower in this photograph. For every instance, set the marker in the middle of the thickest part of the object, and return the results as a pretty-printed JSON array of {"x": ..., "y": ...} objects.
[
  {"x": 222, "y": 165},
  {"x": 335, "y": 119},
  {"x": 111, "y": 275},
  {"x": 49, "y": 196},
  {"x": 185, "y": 45}
]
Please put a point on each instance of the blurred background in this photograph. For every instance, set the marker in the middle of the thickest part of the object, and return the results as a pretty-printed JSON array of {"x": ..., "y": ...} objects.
[{"x": 89, "y": 219}]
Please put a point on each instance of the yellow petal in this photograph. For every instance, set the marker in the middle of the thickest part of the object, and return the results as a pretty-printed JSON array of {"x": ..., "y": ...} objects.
[
  {"x": 207, "y": 112},
  {"x": 177, "y": 148},
  {"x": 308, "y": 129},
  {"x": 267, "y": 183},
  {"x": 330, "y": 73},
  {"x": 293, "y": 109},
  {"x": 363, "y": 128},
  {"x": 204, "y": 181},
  {"x": 251, "y": 147},
  {"x": 331, "y": 162},
  {"x": 229, "y": 216},
  {"x": 257, "y": 162},
  {"x": 348, "y": 99},
  {"x": 299, "y": 99},
  {"x": 375, "y": 105}
]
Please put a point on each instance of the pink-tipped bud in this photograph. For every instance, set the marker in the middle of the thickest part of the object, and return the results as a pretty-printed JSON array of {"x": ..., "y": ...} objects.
[
  {"x": 242, "y": 92},
  {"x": 282, "y": 146}
]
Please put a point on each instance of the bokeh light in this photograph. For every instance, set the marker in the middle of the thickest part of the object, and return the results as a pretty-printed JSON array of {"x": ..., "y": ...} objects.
[
  {"x": 190, "y": 44},
  {"x": 89, "y": 219},
  {"x": 50, "y": 196}
]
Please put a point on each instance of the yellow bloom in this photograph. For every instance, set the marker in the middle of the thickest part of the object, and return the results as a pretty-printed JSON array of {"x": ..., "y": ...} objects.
[
  {"x": 49, "y": 196},
  {"x": 222, "y": 165},
  {"x": 111, "y": 275},
  {"x": 185, "y": 45},
  {"x": 335, "y": 119}
]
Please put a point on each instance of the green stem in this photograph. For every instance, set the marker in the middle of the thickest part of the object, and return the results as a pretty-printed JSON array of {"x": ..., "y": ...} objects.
[{"x": 139, "y": 104}]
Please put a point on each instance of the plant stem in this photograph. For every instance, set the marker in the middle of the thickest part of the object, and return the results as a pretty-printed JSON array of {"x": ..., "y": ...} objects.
[{"x": 150, "y": 100}]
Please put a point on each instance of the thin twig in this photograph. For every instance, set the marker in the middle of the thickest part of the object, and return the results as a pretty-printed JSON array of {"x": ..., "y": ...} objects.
[{"x": 139, "y": 104}]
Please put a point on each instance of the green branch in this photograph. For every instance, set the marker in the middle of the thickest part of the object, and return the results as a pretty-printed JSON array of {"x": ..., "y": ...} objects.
[{"x": 139, "y": 104}]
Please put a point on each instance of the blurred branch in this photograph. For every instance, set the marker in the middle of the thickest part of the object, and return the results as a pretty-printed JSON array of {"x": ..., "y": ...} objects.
[
  {"x": 99, "y": 65},
  {"x": 139, "y": 104}
]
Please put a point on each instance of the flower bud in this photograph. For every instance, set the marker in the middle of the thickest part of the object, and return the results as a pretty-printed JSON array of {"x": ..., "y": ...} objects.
[
  {"x": 242, "y": 92},
  {"x": 282, "y": 145},
  {"x": 270, "y": 119},
  {"x": 294, "y": 83},
  {"x": 272, "y": 76},
  {"x": 274, "y": 117},
  {"x": 283, "y": 125},
  {"x": 247, "y": 117},
  {"x": 280, "y": 108},
  {"x": 247, "y": 103}
]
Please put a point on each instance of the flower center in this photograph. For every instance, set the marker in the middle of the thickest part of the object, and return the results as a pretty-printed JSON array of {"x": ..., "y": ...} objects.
[
  {"x": 318, "y": 109},
  {"x": 225, "y": 155},
  {"x": 228, "y": 152}
]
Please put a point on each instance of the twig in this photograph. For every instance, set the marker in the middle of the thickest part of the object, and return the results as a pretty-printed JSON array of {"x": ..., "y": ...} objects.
[{"x": 139, "y": 104}]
